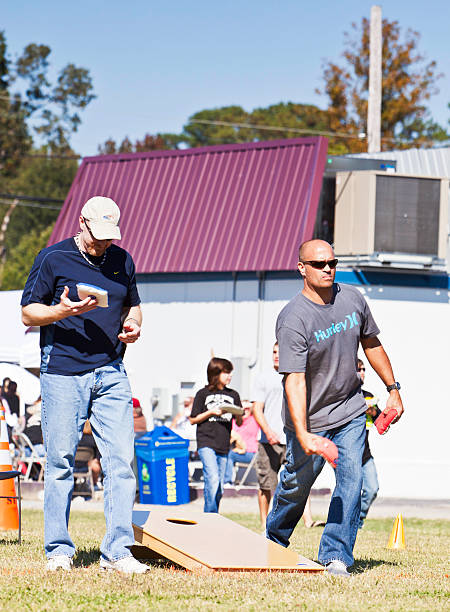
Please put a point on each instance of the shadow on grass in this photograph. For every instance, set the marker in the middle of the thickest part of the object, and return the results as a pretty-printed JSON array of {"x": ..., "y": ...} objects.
[
  {"x": 86, "y": 557},
  {"x": 367, "y": 564},
  {"x": 14, "y": 540}
]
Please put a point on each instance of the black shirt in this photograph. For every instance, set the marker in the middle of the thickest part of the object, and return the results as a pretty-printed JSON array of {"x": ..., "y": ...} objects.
[{"x": 215, "y": 431}]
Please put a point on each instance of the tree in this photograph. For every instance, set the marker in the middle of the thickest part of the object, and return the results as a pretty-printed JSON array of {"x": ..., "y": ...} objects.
[
  {"x": 30, "y": 102},
  {"x": 198, "y": 134},
  {"x": 15, "y": 271},
  {"x": 39, "y": 176},
  {"x": 148, "y": 143},
  {"x": 407, "y": 81},
  {"x": 232, "y": 124},
  {"x": 14, "y": 137}
]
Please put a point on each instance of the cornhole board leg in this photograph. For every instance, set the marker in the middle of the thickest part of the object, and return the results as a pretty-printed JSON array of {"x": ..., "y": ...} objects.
[
  {"x": 207, "y": 543},
  {"x": 165, "y": 551}
]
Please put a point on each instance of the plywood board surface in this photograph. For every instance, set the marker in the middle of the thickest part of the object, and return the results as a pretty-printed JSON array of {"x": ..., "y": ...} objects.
[{"x": 208, "y": 541}]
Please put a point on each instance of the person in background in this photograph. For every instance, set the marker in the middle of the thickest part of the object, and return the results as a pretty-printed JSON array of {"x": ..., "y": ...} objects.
[
  {"x": 267, "y": 398},
  {"x": 180, "y": 423},
  {"x": 5, "y": 385},
  {"x": 244, "y": 441},
  {"x": 12, "y": 409},
  {"x": 370, "y": 477},
  {"x": 140, "y": 424},
  {"x": 13, "y": 398},
  {"x": 87, "y": 441},
  {"x": 33, "y": 428},
  {"x": 214, "y": 428}
]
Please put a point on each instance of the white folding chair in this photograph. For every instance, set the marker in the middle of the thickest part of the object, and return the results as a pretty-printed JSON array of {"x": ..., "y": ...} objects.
[
  {"x": 28, "y": 455},
  {"x": 246, "y": 474}
]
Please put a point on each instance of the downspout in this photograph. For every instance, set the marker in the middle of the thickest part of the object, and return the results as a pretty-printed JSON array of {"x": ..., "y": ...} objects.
[
  {"x": 261, "y": 295},
  {"x": 233, "y": 309}
]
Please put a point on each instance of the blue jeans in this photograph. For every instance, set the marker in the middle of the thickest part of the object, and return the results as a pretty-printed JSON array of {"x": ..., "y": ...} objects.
[
  {"x": 369, "y": 489},
  {"x": 232, "y": 458},
  {"x": 213, "y": 474},
  {"x": 104, "y": 396},
  {"x": 297, "y": 478}
]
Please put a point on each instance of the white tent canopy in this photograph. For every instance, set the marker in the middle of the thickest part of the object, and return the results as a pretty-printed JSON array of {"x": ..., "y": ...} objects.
[{"x": 17, "y": 345}]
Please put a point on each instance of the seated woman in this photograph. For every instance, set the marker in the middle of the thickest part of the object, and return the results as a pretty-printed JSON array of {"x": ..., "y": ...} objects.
[
  {"x": 245, "y": 441},
  {"x": 33, "y": 428}
]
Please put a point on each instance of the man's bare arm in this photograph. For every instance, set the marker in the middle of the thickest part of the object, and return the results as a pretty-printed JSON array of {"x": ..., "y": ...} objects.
[
  {"x": 258, "y": 413},
  {"x": 131, "y": 326},
  {"x": 295, "y": 388},
  {"x": 40, "y": 314},
  {"x": 378, "y": 359}
]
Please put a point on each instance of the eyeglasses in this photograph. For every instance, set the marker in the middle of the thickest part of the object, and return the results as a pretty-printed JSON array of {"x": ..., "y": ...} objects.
[
  {"x": 361, "y": 369},
  {"x": 321, "y": 264},
  {"x": 88, "y": 228}
]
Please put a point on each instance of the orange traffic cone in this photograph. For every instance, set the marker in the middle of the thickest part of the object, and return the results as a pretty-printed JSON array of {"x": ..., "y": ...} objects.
[
  {"x": 9, "y": 515},
  {"x": 397, "y": 537}
]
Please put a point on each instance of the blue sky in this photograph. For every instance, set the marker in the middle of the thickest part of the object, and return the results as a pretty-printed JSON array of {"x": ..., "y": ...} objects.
[{"x": 154, "y": 63}]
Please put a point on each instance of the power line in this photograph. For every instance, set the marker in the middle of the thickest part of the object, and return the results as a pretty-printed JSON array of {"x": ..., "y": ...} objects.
[
  {"x": 30, "y": 201},
  {"x": 286, "y": 129},
  {"x": 29, "y": 205}
]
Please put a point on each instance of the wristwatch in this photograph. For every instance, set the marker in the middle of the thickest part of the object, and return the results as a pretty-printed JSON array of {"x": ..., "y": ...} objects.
[{"x": 395, "y": 385}]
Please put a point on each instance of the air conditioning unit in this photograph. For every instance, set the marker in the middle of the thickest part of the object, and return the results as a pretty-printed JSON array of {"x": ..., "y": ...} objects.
[{"x": 391, "y": 219}]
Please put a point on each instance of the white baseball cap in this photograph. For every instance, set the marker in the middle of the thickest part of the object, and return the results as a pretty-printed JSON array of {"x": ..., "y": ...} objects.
[{"x": 103, "y": 215}]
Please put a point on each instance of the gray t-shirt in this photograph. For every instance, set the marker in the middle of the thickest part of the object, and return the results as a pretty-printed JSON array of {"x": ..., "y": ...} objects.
[
  {"x": 268, "y": 390},
  {"x": 322, "y": 341}
]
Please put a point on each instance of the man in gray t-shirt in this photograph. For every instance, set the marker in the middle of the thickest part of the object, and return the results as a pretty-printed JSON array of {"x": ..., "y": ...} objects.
[{"x": 319, "y": 332}]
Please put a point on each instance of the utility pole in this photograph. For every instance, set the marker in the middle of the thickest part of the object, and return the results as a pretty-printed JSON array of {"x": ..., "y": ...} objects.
[{"x": 374, "y": 106}]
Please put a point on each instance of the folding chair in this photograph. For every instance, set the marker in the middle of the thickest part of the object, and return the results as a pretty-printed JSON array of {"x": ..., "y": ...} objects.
[
  {"x": 83, "y": 455},
  {"x": 246, "y": 474},
  {"x": 28, "y": 455},
  {"x": 6, "y": 476}
]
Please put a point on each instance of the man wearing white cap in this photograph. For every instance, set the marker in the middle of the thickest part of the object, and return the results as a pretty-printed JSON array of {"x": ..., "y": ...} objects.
[{"x": 82, "y": 293}]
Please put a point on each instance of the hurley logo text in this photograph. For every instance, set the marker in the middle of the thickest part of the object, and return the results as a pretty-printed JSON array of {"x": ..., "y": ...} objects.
[{"x": 336, "y": 328}]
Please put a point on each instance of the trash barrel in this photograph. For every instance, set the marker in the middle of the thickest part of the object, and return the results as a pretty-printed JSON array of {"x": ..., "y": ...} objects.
[{"x": 162, "y": 463}]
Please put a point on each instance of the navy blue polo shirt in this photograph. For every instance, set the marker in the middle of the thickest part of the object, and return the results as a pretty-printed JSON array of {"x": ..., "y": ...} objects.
[{"x": 81, "y": 343}]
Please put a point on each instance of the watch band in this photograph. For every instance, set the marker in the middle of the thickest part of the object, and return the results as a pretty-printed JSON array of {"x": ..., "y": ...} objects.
[{"x": 395, "y": 385}]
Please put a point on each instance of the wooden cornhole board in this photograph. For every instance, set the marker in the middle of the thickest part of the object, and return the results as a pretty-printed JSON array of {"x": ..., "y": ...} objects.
[{"x": 209, "y": 542}]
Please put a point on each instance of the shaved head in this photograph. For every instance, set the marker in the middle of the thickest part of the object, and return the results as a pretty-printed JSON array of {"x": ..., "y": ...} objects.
[{"x": 308, "y": 249}]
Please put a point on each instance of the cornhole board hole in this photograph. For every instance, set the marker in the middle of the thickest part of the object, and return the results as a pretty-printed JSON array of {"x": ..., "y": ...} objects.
[{"x": 208, "y": 542}]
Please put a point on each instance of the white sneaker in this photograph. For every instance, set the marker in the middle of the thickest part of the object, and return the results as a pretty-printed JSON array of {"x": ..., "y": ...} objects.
[
  {"x": 57, "y": 562},
  {"x": 337, "y": 568},
  {"x": 127, "y": 565}
]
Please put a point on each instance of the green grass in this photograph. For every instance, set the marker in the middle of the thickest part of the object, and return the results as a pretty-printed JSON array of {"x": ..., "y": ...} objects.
[{"x": 414, "y": 579}]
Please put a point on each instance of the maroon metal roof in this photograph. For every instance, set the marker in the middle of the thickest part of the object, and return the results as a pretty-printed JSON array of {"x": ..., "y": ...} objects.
[{"x": 242, "y": 207}]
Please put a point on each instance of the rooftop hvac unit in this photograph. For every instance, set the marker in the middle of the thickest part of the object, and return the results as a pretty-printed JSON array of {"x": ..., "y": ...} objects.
[{"x": 391, "y": 218}]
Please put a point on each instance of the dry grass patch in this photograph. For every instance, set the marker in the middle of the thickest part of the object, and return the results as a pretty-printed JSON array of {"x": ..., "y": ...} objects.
[{"x": 415, "y": 579}]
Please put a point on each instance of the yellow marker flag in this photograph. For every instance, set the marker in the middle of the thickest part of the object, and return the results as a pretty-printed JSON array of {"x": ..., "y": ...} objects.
[{"x": 397, "y": 537}]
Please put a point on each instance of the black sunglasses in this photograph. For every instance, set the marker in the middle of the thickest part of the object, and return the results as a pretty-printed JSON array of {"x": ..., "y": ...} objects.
[
  {"x": 361, "y": 369},
  {"x": 321, "y": 264},
  {"x": 88, "y": 228}
]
